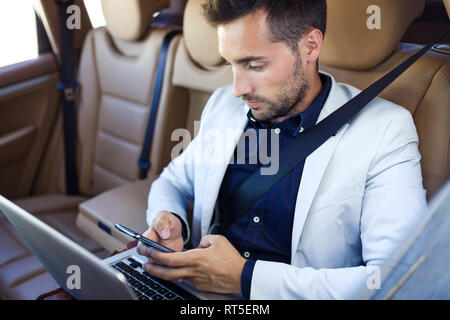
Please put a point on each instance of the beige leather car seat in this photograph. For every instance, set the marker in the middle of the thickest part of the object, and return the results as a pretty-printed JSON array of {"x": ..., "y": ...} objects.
[
  {"x": 116, "y": 73},
  {"x": 198, "y": 70},
  {"x": 447, "y": 7},
  {"x": 359, "y": 56}
]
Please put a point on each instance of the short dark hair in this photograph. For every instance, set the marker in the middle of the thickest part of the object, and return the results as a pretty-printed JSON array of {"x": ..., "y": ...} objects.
[{"x": 288, "y": 19}]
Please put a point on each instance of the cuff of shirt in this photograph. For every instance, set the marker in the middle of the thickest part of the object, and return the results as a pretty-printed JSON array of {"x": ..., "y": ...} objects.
[{"x": 246, "y": 278}]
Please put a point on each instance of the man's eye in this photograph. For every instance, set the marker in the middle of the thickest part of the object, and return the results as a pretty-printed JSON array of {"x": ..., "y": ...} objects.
[{"x": 255, "y": 68}]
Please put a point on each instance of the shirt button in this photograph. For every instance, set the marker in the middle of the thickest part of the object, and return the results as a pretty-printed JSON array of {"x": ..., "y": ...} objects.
[
  {"x": 256, "y": 219},
  {"x": 246, "y": 254},
  {"x": 277, "y": 130},
  {"x": 301, "y": 129}
]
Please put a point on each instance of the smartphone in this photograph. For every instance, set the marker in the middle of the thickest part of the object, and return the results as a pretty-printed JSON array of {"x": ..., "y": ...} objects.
[{"x": 143, "y": 239}]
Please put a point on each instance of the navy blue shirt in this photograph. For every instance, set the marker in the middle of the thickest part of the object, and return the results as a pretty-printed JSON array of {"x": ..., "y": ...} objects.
[{"x": 265, "y": 231}]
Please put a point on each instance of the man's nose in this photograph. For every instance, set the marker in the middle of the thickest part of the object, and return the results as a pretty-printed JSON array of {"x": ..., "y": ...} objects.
[{"x": 241, "y": 86}]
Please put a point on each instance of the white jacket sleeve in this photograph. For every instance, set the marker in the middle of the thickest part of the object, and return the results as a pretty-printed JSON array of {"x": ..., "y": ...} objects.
[
  {"x": 174, "y": 189},
  {"x": 393, "y": 206}
]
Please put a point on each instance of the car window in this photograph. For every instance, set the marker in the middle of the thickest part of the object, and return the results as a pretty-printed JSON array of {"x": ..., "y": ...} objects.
[
  {"x": 94, "y": 9},
  {"x": 18, "y": 36}
]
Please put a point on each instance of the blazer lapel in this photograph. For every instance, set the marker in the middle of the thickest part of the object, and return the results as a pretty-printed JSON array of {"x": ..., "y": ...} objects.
[
  {"x": 315, "y": 166},
  {"x": 231, "y": 131}
]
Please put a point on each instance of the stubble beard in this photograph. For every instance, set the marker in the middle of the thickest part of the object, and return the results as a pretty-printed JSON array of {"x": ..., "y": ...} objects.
[{"x": 293, "y": 92}]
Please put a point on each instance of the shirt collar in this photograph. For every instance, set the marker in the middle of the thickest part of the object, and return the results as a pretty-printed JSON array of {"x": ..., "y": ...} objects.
[{"x": 299, "y": 122}]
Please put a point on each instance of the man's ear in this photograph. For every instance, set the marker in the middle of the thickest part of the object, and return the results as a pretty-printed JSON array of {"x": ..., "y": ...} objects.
[{"x": 311, "y": 45}]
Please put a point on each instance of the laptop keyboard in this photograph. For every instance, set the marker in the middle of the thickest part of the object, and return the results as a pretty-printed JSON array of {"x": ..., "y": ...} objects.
[{"x": 147, "y": 287}]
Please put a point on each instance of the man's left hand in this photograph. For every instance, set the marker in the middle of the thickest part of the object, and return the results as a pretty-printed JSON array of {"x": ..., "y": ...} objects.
[{"x": 215, "y": 266}]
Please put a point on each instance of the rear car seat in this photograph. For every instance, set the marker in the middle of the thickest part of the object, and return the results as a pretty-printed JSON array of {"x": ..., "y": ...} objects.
[
  {"x": 116, "y": 74},
  {"x": 198, "y": 70},
  {"x": 356, "y": 55},
  {"x": 352, "y": 53}
]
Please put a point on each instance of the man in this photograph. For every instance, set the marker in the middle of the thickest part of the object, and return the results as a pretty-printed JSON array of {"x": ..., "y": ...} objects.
[{"x": 316, "y": 233}]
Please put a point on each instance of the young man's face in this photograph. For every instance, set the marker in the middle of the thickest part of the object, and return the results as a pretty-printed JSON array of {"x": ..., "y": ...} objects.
[{"x": 268, "y": 76}]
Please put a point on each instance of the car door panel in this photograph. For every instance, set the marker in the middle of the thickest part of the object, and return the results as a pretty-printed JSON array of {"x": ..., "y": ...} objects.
[{"x": 28, "y": 109}]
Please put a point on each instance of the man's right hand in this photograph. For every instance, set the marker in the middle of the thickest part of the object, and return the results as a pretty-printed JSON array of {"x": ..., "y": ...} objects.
[{"x": 166, "y": 230}]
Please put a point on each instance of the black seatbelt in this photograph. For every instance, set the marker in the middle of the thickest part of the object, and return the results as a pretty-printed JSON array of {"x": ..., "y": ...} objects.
[
  {"x": 67, "y": 86},
  {"x": 253, "y": 189},
  {"x": 144, "y": 161}
]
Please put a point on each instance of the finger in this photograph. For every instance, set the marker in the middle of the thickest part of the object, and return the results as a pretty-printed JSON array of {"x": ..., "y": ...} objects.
[
  {"x": 141, "y": 249},
  {"x": 167, "y": 273},
  {"x": 174, "y": 259},
  {"x": 144, "y": 250},
  {"x": 132, "y": 244},
  {"x": 207, "y": 241},
  {"x": 171, "y": 221},
  {"x": 152, "y": 235},
  {"x": 162, "y": 227}
]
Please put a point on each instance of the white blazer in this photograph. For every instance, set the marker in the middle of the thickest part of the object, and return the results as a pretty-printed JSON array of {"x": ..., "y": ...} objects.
[{"x": 360, "y": 195}]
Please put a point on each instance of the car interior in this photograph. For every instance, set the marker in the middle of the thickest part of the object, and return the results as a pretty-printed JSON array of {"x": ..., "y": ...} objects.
[{"x": 116, "y": 68}]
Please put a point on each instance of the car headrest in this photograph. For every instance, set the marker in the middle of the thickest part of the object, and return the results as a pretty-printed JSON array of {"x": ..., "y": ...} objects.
[
  {"x": 128, "y": 20},
  {"x": 199, "y": 36},
  {"x": 359, "y": 36}
]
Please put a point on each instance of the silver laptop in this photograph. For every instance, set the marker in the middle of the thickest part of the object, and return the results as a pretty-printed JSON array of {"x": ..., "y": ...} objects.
[{"x": 85, "y": 276}]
